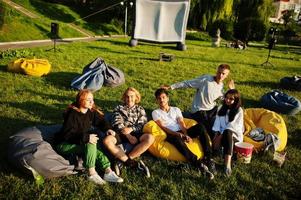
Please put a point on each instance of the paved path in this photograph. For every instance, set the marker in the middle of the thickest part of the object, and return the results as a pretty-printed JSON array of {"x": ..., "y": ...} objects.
[
  {"x": 21, "y": 9},
  {"x": 36, "y": 43}
]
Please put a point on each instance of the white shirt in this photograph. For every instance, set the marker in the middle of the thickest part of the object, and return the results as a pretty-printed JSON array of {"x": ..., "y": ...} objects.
[
  {"x": 207, "y": 92},
  {"x": 168, "y": 119},
  {"x": 222, "y": 123}
]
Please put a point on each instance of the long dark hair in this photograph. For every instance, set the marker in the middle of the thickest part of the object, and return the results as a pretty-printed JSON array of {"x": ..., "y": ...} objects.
[{"x": 233, "y": 107}]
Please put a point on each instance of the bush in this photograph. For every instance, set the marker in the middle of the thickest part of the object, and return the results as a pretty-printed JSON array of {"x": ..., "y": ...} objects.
[{"x": 200, "y": 36}]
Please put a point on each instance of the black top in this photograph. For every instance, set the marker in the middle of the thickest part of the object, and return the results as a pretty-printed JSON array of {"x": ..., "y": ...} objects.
[{"x": 77, "y": 126}]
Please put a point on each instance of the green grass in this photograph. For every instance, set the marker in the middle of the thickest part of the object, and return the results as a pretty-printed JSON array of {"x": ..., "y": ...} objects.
[
  {"x": 28, "y": 101},
  {"x": 19, "y": 27}
]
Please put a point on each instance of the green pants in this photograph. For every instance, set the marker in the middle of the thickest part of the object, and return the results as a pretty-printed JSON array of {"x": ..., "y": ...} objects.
[{"x": 92, "y": 155}]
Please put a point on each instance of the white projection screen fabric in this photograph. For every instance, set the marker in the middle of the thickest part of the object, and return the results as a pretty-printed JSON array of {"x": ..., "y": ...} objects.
[{"x": 161, "y": 21}]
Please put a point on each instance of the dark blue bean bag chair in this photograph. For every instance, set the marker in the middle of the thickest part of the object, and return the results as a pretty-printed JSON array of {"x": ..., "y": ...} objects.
[
  {"x": 280, "y": 103},
  {"x": 291, "y": 83}
]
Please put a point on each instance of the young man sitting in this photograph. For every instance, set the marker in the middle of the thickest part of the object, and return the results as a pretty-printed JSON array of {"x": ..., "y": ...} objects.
[{"x": 170, "y": 119}]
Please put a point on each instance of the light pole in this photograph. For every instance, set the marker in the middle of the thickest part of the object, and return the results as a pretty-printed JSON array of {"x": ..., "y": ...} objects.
[{"x": 125, "y": 3}]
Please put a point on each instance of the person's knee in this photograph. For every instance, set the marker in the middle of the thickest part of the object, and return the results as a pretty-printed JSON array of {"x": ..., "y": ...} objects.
[
  {"x": 147, "y": 138},
  {"x": 109, "y": 141}
]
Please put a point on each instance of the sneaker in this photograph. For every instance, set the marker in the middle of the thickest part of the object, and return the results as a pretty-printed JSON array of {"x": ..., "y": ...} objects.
[
  {"x": 112, "y": 177},
  {"x": 211, "y": 165},
  {"x": 228, "y": 171},
  {"x": 117, "y": 168},
  {"x": 204, "y": 169},
  {"x": 95, "y": 178},
  {"x": 143, "y": 168}
]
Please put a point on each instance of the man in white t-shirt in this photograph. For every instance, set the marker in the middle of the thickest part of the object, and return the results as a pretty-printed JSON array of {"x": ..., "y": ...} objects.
[
  {"x": 208, "y": 89},
  {"x": 170, "y": 119}
]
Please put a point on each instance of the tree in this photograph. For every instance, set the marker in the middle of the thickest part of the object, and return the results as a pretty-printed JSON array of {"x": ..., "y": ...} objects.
[{"x": 252, "y": 19}]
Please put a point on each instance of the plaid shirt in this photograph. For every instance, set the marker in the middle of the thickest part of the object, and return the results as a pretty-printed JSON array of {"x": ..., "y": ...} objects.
[{"x": 134, "y": 117}]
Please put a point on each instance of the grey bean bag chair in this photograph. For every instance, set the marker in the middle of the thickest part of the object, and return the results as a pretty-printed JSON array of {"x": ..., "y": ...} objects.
[
  {"x": 291, "y": 83},
  {"x": 280, "y": 102},
  {"x": 96, "y": 74},
  {"x": 30, "y": 148}
]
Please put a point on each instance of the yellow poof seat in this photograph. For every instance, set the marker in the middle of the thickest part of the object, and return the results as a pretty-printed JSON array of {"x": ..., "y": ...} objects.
[
  {"x": 270, "y": 121},
  {"x": 163, "y": 149},
  {"x": 32, "y": 67}
]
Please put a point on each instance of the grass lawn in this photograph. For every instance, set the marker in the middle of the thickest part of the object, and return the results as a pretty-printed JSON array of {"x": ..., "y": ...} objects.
[{"x": 28, "y": 101}]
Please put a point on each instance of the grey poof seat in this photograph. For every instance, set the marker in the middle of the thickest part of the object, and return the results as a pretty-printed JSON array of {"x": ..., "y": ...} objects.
[{"x": 30, "y": 147}]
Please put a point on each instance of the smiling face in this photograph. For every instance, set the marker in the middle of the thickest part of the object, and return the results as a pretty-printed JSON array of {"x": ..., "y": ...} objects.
[
  {"x": 162, "y": 100},
  {"x": 229, "y": 99},
  {"x": 221, "y": 74},
  {"x": 130, "y": 98},
  {"x": 87, "y": 102}
]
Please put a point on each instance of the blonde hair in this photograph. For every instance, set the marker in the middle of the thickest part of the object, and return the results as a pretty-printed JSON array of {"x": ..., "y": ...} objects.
[{"x": 138, "y": 96}]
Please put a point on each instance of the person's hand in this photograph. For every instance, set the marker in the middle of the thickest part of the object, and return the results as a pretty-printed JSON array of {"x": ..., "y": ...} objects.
[
  {"x": 231, "y": 84},
  {"x": 126, "y": 130},
  {"x": 132, "y": 139},
  {"x": 111, "y": 132},
  {"x": 93, "y": 139},
  {"x": 165, "y": 87},
  {"x": 187, "y": 139}
]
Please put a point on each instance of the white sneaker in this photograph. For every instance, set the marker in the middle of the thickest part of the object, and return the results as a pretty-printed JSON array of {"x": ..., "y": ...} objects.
[
  {"x": 112, "y": 177},
  {"x": 95, "y": 178}
]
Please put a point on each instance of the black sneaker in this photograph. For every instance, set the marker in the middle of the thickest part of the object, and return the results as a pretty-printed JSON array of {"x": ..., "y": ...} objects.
[
  {"x": 211, "y": 165},
  {"x": 143, "y": 168},
  {"x": 204, "y": 169}
]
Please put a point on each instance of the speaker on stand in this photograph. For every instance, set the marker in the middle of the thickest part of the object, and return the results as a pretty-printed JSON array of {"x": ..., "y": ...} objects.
[
  {"x": 271, "y": 45},
  {"x": 54, "y": 35}
]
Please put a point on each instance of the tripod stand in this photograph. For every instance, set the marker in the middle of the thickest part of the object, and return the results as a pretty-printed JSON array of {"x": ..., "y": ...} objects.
[
  {"x": 54, "y": 46},
  {"x": 267, "y": 61}
]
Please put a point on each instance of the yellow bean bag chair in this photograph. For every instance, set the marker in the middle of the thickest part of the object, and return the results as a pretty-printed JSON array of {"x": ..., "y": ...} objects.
[
  {"x": 32, "y": 67},
  {"x": 270, "y": 121},
  {"x": 163, "y": 149}
]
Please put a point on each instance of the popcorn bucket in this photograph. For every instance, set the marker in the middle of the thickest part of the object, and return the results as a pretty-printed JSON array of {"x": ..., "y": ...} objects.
[{"x": 244, "y": 151}]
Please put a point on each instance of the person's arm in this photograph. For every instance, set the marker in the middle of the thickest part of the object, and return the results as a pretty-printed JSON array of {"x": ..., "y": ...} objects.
[
  {"x": 194, "y": 83},
  {"x": 167, "y": 130},
  {"x": 142, "y": 119},
  {"x": 231, "y": 84},
  {"x": 184, "y": 130},
  {"x": 117, "y": 119}
]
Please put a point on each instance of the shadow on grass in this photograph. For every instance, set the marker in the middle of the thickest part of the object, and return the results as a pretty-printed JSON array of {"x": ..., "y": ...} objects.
[
  {"x": 295, "y": 140},
  {"x": 115, "y": 42},
  {"x": 99, "y": 48},
  {"x": 262, "y": 84},
  {"x": 51, "y": 11},
  {"x": 3, "y": 68},
  {"x": 61, "y": 80},
  {"x": 250, "y": 103},
  {"x": 290, "y": 49}
]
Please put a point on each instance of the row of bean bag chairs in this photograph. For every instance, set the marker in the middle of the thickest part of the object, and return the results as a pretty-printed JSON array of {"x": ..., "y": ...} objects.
[
  {"x": 270, "y": 121},
  {"x": 280, "y": 102},
  {"x": 32, "y": 67},
  {"x": 31, "y": 148}
]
